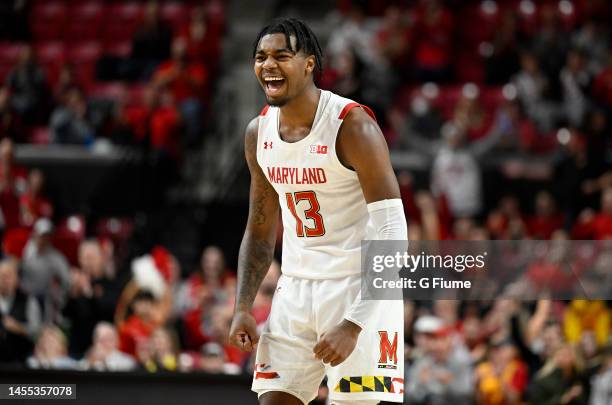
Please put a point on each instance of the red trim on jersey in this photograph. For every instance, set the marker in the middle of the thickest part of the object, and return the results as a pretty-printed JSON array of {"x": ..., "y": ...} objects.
[
  {"x": 259, "y": 375},
  {"x": 264, "y": 110},
  {"x": 350, "y": 106}
]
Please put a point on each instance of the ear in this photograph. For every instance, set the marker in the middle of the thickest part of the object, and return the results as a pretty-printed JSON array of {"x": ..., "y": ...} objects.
[{"x": 310, "y": 64}]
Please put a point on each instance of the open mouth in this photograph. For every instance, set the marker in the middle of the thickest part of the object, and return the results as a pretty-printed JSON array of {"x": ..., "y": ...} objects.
[{"x": 273, "y": 84}]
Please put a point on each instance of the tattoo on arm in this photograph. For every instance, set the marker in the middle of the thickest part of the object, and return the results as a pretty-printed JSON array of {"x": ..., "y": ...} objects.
[
  {"x": 253, "y": 261},
  {"x": 257, "y": 247}
]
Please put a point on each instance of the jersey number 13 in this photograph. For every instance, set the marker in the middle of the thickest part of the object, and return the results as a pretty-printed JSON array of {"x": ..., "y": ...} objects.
[{"x": 311, "y": 213}]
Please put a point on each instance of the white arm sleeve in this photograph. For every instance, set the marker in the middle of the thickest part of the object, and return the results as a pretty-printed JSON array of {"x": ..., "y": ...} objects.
[{"x": 389, "y": 221}]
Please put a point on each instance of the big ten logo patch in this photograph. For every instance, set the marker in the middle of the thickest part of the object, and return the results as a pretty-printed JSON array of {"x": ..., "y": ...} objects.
[
  {"x": 388, "y": 350},
  {"x": 318, "y": 149}
]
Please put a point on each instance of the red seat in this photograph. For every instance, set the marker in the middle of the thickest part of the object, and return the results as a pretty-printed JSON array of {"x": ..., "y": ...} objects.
[
  {"x": 492, "y": 97},
  {"x": 135, "y": 94},
  {"x": 15, "y": 240},
  {"x": 528, "y": 16},
  {"x": 9, "y": 53},
  {"x": 84, "y": 56},
  {"x": 50, "y": 52},
  {"x": 567, "y": 14},
  {"x": 47, "y": 20},
  {"x": 118, "y": 48},
  {"x": 121, "y": 21},
  {"x": 40, "y": 136},
  {"x": 85, "y": 52},
  {"x": 469, "y": 67},
  {"x": 52, "y": 56},
  {"x": 107, "y": 90},
  {"x": 85, "y": 21},
  {"x": 50, "y": 11},
  {"x": 5, "y": 70},
  {"x": 177, "y": 14},
  {"x": 447, "y": 99}
]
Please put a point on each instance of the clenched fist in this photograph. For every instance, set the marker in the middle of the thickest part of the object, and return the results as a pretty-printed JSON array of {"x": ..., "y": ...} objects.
[
  {"x": 338, "y": 343},
  {"x": 243, "y": 332}
]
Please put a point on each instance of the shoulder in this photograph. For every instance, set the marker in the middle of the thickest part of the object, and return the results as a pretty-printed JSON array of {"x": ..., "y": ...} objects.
[
  {"x": 250, "y": 133},
  {"x": 357, "y": 121},
  {"x": 359, "y": 130},
  {"x": 252, "y": 127},
  {"x": 359, "y": 138}
]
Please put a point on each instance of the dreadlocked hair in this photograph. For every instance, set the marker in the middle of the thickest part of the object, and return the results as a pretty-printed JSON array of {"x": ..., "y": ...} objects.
[{"x": 305, "y": 39}]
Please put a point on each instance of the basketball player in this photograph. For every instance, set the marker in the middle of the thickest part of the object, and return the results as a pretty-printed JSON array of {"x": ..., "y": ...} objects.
[{"x": 323, "y": 161}]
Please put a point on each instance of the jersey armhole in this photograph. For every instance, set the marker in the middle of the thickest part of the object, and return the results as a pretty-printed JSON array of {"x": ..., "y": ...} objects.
[
  {"x": 345, "y": 110},
  {"x": 350, "y": 106}
]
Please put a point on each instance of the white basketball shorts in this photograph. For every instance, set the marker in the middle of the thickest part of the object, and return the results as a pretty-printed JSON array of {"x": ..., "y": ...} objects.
[{"x": 302, "y": 310}]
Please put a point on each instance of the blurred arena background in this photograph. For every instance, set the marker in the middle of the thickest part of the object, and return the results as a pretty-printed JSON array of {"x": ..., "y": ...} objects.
[{"x": 123, "y": 187}]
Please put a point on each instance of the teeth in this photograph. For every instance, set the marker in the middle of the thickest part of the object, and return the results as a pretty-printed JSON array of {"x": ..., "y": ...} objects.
[{"x": 273, "y": 79}]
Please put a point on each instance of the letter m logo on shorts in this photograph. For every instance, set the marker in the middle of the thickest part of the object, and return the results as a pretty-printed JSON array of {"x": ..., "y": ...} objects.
[{"x": 388, "y": 349}]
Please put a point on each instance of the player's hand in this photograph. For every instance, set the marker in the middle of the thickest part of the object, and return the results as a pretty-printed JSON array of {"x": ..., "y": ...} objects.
[
  {"x": 338, "y": 343},
  {"x": 243, "y": 332}
]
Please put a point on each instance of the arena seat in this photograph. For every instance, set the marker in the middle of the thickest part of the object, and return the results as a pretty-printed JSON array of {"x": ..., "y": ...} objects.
[
  {"x": 107, "y": 90},
  {"x": 84, "y": 57},
  {"x": 121, "y": 21},
  {"x": 118, "y": 48},
  {"x": 9, "y": 52},
  {"x": 135, "y": 94},
  {"x": 40, "y": 136},
  {"x": 15, "y": 240},
  {"x": 51, "y": 55},
  {"x": 47, "y": 20},
  {"x": 479, "y": 22},
  {"x": 85, "y": 21},
  {"x": 175, "y": 13}
]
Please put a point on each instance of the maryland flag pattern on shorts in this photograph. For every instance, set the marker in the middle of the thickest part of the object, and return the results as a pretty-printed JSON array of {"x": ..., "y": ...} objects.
[{"x": 370, "y": 383}]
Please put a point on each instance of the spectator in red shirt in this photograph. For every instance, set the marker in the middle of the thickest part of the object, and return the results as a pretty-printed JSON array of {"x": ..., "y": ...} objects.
[
  {"x": 602, "y": 86},
  {"x": 394, "y": 38},
  {"x": 546, "y": 218},
  {"x": 33, "y": 203},
  {"x": 12, "y": 181},
  {"x": 470, "y": 116},
  {"x": 139, "y": 326},
  {"x": 203, "y": 40},
  {"x": 156, "y": 121},
  {"x": 10, "y": 122},
  {"x": 187, "y": 83},
  {"x": 206, "y": 286},
  {"x": 433, "y": 41},
  {"x": 596, "y": 226},
  {"x": 151, "y": 42},
  {"x": 506, "y": 221}
]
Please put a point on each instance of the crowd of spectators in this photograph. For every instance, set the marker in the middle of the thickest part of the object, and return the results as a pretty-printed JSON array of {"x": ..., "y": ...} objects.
[
  {"x": 524, "y": 84},
  {"x": 77, "y": 73}
]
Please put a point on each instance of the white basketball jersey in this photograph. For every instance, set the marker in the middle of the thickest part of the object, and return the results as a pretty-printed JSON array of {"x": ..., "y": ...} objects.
[{"x": 323, "y": 209}]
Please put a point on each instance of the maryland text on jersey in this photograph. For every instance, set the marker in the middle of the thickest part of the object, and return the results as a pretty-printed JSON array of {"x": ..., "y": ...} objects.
[{"x": 295, "y": 175}]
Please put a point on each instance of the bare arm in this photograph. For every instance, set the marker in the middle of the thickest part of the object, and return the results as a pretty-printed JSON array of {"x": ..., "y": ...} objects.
[
  {"x": 362, "y": 147},
  {"x": 257, "y": 247}
]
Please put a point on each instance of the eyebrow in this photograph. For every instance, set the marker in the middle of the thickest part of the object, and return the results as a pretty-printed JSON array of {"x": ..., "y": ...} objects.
[{"x": 279, "y": 50}]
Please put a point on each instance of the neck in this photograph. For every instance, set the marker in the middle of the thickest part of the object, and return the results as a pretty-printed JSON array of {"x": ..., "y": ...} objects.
[{"x": 301, "y": 111}]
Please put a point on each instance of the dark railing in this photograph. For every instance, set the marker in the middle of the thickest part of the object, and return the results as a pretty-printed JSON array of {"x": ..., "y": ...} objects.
[{"x": 138, "y": 388}]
